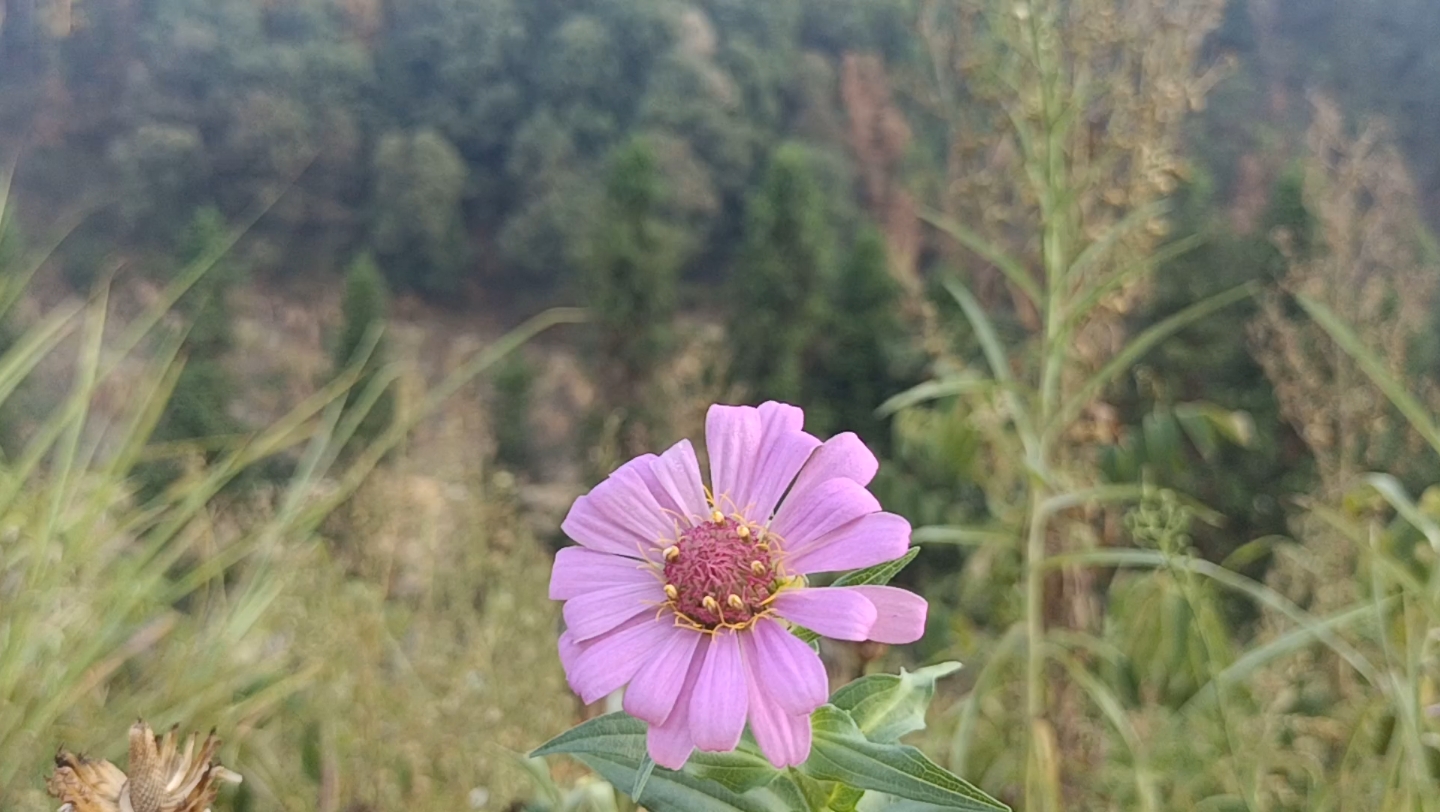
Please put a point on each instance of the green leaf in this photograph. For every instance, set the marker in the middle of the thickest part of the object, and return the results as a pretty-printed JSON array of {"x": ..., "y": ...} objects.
[
  {"x": 841, "y": 752},
  {"x": 615, "y": 734},
  {"x": 1008, "y": 265},
  {"x": 1257, "y": 591},
  {"x": 963, "y": 536},
  {"x": 886, "y": 706},
  {"x": 880, "y": 574},
  {"x": 994, "y": 356},
  {"x": 1137, "y": 348},
  {"x": 670, "y": 791},
  {"x": 620, "y": 739},
  {"x": 1410, "y": 406},
  {"x": 1394, "y": 493},
  {"x": 965, "y": 383},
  {"x": 642, "y": 777}
]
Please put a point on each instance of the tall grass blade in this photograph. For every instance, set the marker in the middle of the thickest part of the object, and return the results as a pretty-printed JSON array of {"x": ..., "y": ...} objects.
[{"x": 1410, "y": 406}]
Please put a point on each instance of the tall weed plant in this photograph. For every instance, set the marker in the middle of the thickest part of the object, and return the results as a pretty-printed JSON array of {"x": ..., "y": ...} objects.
[{"x": 1121, "y": 657}]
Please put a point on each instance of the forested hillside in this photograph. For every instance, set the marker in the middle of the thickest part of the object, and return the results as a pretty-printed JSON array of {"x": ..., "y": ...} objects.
[{"x": 1093, "y": 278}]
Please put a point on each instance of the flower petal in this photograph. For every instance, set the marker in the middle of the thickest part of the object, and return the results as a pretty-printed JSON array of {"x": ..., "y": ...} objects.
[
  {"x": 569, "y": 650},
  {"x": 596, "y": 668},
  {"x": 784, "y": 448},
  {"x": 651, "y": 695},
  {"x": 900, "y": 614},
  {"x": 594, "y": 613},
  {"x": 843, "y": 456},
  {"x": 670, "y": 744},
  {"x": 732, "y": 439},
  {"x": 865, "y": 542},
  {"x": 835, "y": 503},
  {"x": 579, "y": 570},
  {"x": 675, "y": 480},
  {"x": 788, "y": 670},
  {"x": 783, "y": 738},
  {"x": 620, "y": 515},
  {"x": 717, "y": 707},
  {"x": 837, "y": 613}
]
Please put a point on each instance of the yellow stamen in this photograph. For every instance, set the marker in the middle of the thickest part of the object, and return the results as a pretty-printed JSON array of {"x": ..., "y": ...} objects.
[
  {"x": 717, "y": 517},
  {"x": 672, "y": 552},
  {"x": 763, "y": 546},
  {"x": 757, "y": 568},
  {"x": 743, "y": 532},
  {"x": 711, "y": 604},
  {"x": 735, "y": 602},
  {"x": 671, "y": 592}
]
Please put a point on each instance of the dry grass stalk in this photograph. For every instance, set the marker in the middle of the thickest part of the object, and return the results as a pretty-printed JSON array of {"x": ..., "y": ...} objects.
[{"x": 1371, "y": 271}]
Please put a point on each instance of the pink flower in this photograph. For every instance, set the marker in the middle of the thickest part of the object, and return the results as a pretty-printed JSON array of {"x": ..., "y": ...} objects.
[{"x": 686, "y": 595}]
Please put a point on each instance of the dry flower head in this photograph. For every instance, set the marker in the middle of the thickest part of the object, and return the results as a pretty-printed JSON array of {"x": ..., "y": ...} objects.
[{"x": 163, "y": 776}]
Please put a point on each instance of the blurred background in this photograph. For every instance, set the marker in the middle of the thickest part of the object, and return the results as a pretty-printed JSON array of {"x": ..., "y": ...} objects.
[{"x": 1135, "y": 299}]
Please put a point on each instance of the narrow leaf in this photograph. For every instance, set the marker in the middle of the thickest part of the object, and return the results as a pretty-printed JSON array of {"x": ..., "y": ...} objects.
[
  {"x": 842, "y": 753},
  {"x": 1375, "y": 369},
  {"x": 880, "y": 574},
  {"x": 961, "y": 536},
  {"x": 1137, "y": 349},
  {"x": 1394, "y": 493},
  {"x": 669, "y": 791},
  {"x": 962, "y": 384},
  {"x": 1008, "y": 265}
]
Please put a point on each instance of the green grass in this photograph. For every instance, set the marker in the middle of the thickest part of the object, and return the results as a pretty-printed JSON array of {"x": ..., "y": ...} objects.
[{"x": 261, "y": 611}]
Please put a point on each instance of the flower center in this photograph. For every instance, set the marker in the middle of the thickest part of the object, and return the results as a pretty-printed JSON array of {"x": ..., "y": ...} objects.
[{"x": 720, "y": 573}]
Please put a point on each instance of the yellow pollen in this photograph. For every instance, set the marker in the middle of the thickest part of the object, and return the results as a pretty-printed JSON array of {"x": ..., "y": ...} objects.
[
  {"x": 735, "y": 602},
  {"x": 743, "y": 532},
  {"x": 711, "y": 604},
  {"x": 671, "y": 592},
  {"x": 717, "y": 517},
  {"x": 763, "y": 546},
  {"x": 672, "y": 552},
  {"x": 757, "y": 568}
]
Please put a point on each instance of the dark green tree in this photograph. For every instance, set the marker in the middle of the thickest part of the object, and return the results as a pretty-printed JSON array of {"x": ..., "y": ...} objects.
[
  {"x": 855, "y": 367},
  {"x": 629, "y": 271},
  {"x": 198, "y": 412},
  {"x": 363, "y": 310},
  {"x": 418, "y": 232},
  {"x": 514, "y": 443},
  {"x": 777, "y": 291}
]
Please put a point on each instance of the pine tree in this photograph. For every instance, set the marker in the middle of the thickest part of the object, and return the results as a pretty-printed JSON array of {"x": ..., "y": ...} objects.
[
  {"x": 364, "y": 308},
  {"x": 777, "y": 293},
  {"x": 199, "y": 404},
  {"x": 514, "y": 381},
  {"x": 630, "y": 268},
  {"x": 199, "y": 407},
  {"x": 853, "y": 373}
]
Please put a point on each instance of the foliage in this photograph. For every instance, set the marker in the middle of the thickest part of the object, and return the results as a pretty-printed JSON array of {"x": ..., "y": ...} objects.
[
  {"x": 776, "y": 297},
  {"x": 1088, "y": 148},
  {"x": 854, "y": 367},
  {"x": 1212, "y": 362},
  {"x": 1374, "y": 266},
  {"x": 513, "y": 402},
  {"x": 363, "y": 313},
  {"x": 196, "y": 418},
  {"x": 1092, "y": 170},
  {"x": 418, "y": 232},
  {"x": 630, "y": 269}
]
